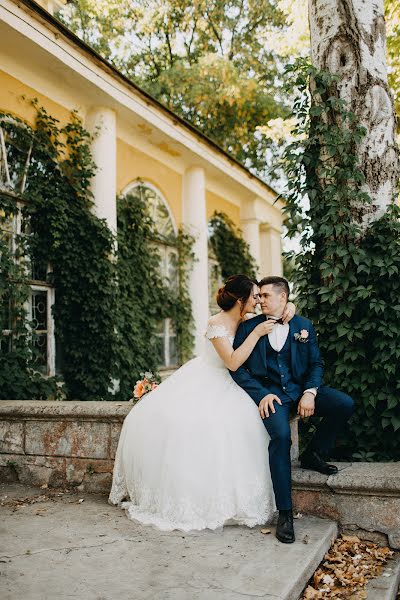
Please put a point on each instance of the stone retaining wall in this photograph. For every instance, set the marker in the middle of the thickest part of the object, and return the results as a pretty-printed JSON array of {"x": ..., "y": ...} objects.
[
  {"x": 63, "y": 444},
  {"x": 363, "y": 498},
  {"x": 60, "y": 443}
]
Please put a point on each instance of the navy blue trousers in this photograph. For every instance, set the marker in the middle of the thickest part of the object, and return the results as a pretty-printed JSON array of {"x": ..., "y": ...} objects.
[{"x": 335, "y": 407}]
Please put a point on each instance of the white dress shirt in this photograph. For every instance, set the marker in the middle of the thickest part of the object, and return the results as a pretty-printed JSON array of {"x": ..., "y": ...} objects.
[{"x": 277, "y": 339}]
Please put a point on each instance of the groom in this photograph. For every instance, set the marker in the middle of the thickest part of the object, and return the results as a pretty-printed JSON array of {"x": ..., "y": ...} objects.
[{"x": 285, "y": 370}]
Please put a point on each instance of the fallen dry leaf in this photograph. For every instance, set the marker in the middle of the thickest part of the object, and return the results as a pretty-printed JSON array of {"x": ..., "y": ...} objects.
[
  {"x": 346, "y": 568},
  {"x": 265, "y": 531},
  {"x": 353, "y": 539}
]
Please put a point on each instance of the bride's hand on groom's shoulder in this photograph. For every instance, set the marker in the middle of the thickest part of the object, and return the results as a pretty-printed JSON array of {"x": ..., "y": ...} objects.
[{"x": 289, "y": 312}]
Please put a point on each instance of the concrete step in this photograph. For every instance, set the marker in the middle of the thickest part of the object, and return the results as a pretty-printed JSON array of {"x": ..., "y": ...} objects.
[
  {"x": 386, "y": 587},
  {"x": 364, "y": 498},
  {"x": 62, "y": 548}
]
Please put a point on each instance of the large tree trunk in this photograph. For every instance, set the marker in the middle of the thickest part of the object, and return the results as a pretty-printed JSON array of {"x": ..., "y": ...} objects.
[{"x": 348, "y": 39}]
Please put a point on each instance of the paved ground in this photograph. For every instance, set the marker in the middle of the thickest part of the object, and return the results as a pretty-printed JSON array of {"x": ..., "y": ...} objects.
[{"x": 58, "y": 548}]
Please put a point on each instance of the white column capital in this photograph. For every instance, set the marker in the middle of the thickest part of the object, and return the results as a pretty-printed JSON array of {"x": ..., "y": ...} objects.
[{"x": 269, "y": 227}]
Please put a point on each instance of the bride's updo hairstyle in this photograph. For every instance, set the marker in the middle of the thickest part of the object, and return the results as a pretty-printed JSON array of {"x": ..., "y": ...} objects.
[{"x": 236, "y": 287}]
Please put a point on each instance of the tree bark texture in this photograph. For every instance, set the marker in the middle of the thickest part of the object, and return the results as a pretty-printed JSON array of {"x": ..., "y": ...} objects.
[{"x": 348, "y": 38}]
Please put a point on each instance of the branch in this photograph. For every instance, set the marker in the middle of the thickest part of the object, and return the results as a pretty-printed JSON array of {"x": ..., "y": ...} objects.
[{"x": 217, "y": 35}]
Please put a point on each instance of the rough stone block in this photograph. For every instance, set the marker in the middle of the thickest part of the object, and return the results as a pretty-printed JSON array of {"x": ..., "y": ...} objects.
[
  {"x": 36, "y": 470},
  {"x": 362, "y": 496},
  {"x": 98, "y": 483},
  {"x": 114, "y": 435},
  {"x": 294, "y": 431},
  {"x": 89, "y": 439},
  {"x": 11, "y": 437},
  {"x": 79, "y": 470}
]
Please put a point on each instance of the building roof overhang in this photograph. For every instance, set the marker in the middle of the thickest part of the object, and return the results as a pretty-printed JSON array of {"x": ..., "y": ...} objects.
[{"x": 29, "y": 33}]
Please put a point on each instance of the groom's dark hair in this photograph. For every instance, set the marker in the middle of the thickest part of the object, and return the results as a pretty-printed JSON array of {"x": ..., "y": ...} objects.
[{"x": 277, "y": 282}]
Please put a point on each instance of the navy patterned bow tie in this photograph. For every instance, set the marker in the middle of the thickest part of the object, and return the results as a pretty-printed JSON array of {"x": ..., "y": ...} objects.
[{"x": 278, "y": 321}]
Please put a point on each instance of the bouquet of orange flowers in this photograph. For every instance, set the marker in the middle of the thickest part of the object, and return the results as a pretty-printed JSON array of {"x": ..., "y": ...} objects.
[{"x": 148, "y": 383}]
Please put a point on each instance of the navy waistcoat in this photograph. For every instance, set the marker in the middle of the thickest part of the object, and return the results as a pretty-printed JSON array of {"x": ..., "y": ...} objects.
[{"x": 280, "y": 380}]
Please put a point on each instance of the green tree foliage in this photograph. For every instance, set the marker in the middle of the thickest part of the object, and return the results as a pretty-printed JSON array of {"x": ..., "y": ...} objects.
[
  {"x": 347, "y": 279},
  {"x": 392, "y": 17},
  {"x": 231, "y": 250},
  {"x": 217, "y": 64},
  {"x": 210, "y": 62}
]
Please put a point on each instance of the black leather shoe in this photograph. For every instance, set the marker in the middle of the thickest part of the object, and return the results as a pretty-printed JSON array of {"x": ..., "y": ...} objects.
[
  {"x": 284, "y": 528},
  {"x": 313, "y": 461}
]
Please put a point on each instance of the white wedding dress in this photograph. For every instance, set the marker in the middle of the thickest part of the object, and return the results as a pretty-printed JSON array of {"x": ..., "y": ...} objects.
[{"x": 193, "y": 453}]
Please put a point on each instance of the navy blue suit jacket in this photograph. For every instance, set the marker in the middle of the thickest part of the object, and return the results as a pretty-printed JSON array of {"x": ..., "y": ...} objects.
[{"x": 306, "y": 364}]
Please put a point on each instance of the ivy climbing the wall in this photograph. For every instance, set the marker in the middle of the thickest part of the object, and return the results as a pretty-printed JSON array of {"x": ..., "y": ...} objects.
[
  {"x": 231, "y": 250},
  {"x": 71, "y": 248},
  {"x": 346, "y": 276},
  {"x": 145, "y": 297},
  {"x": 107, "y": 305}
]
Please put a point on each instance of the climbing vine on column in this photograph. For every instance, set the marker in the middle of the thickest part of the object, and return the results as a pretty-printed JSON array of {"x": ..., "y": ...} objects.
[{"x": 231, "y": 250}]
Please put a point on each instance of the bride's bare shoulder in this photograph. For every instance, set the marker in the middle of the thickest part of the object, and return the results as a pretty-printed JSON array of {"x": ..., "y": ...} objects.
[
  {"x": 217, "y": 319},
  {"x": 249, "y": 316}
]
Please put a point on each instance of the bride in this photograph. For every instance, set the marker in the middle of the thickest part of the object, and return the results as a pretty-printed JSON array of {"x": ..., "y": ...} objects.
[{"x": 193, "y": 453}]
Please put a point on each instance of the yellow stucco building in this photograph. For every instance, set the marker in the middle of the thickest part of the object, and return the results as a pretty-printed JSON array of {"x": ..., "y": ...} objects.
[{"x": 138, "y": 143}]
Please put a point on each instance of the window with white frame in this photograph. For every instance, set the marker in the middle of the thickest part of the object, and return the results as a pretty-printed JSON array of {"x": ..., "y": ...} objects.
[
  {"x": 15, "y": 155},
  {"x": 165, "y": 242}
]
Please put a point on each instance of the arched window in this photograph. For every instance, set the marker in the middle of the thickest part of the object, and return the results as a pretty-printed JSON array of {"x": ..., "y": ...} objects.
[
  {"x": 16, "y": 147},
  {"x": 165, "y": 240}
]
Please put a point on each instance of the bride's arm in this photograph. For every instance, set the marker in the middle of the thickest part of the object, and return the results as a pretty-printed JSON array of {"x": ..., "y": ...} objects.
[
  {"x": 289, "y": 312},
  {"x": 233, "y": 359}
]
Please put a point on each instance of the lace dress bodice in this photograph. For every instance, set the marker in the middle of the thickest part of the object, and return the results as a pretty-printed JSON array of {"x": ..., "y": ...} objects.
[{"x": 210, "y": 354}]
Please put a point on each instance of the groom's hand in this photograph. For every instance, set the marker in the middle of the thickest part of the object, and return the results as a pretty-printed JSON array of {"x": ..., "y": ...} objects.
[
  {"x": 306, "y": 405},
  {"x": 267, "y": 404}
]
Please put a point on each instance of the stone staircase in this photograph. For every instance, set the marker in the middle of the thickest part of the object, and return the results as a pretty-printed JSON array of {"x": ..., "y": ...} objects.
[
  {"x": 72, "y": 444},
  {"x": 364, "y": 498},
  {"x": 78, "y": 546}
]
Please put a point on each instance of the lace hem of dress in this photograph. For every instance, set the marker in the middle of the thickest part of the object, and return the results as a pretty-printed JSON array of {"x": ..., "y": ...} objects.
[
  {"x": 255, "y": 508},
  {"x": 119, "y": 490}
]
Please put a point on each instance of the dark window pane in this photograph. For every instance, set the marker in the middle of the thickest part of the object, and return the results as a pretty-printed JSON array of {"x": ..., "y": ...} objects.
[
  {"x": 59, "y": 356},
  {"x": 39, "y": 310},
  {"x": 159, "y": 350},
  {"x": 40, "y": 351},
  {"x": 173, "y": 351}
]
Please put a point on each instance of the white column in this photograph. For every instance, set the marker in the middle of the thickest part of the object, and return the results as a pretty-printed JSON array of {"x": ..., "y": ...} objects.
[
  {"x": 195, "y": 221},
  {"x": 251, "y": 234},
  {"x": 101, "y": 122},
  {"x": 271, "y": 251}
]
